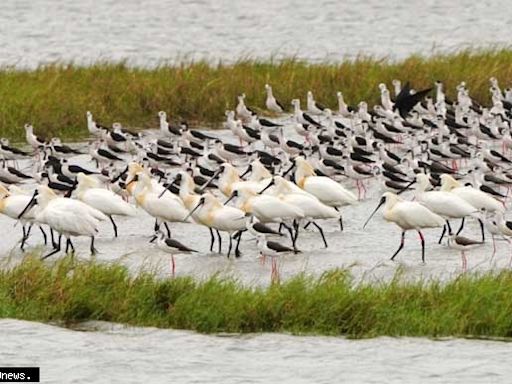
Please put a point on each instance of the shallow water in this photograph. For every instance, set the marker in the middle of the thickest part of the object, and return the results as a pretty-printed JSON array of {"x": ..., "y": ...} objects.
[
  {"x": 149, "y": 32},
  {"x": 117, "y": 354},
  {"x": 365, "y": 252}
]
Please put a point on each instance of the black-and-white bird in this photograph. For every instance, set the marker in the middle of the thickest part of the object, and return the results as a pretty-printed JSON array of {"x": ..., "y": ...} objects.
[
  {"x": 171, "y": 246},
  {"x": 463, "y": 244}
]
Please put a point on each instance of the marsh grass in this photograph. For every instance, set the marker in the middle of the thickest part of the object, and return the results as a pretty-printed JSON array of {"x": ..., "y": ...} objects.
[
  {"x": 68, "y": 291},
  {"x": 55, "y": 97}
]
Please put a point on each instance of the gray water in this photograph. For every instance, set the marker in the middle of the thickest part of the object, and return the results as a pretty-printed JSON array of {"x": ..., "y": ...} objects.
[
  {"x": 116, "y": 354},
  {"x": 365, "y": 252},
  {"x": 153, "y": 31}
]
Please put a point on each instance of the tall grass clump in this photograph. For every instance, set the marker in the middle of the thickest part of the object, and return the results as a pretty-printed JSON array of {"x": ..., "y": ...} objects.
[
  {"x": 55, "y": 97},
  {"x": 70, "y": 291}
]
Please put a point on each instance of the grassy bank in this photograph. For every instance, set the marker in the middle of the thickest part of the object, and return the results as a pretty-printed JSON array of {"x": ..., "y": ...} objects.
[
  {"x": 54, "y": 98},
  {"x": 70, "y": 291}
]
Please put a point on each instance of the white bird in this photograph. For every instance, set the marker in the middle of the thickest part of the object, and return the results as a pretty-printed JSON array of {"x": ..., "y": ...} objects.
[
  {"x": 478, "y": 199},
  {"x": 103, "y": 200},
  {"x": 36, "y": 142},
  {"x": 267, "y": 209},
  {"x": 313, "y": 107},
  {"x": 68, "y": 217},
  {"x": 408, "y": 215},
  {"x": 323, "y": 188},
  {"x": 12, "y": 204},
  {"x": 93, "y": 128},
  {"x": 446, "y": 204},
  {"x": 312, "y": 208},
  {"x": 164, "y": 208},
  {"x": 221, "y": 217},
  {"x": 271, "y": 102}
]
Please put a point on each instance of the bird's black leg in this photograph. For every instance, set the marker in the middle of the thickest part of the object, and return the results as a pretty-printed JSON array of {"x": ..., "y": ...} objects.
[
  {"x": 157, "y": 226},
  {"x": 422, "y": 239},
  {"x": 461, "y": 225},
  {"x": 321, "y": 232},
  {"x": 280, "y": 227},
  {"x": 292, "y": 237},
  {"x": 341, "y": 219},
  {"x": 24, "y": 237},
  {"x": 44, "y": 235},
  {"x": 56, "y": 249},
  {"x": 307, "y": 225},
  {"x": 482, "y": 229},
  {"x": 113, "y": 225},
  {"x": 230, "y": 245},
  {"x": 442, "y": 235},
  {"x": 401, "y": 245},
  {"x": 237, "y": 251},
  {"x": 220, "y": 241},
  {"x": 54, "y": 244},
  {"x": 93, "y": 250},
  {"x": 212, "y": 238},
  {"x": 450, "y": 232},
  {"x": 67, "y": 245},
  {"x": 296, "y": 228},
  {"x": 167, "y": 229}
]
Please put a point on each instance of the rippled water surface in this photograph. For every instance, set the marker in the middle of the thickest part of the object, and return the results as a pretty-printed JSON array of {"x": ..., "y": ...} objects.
[
  {"x": 117, "y": 354},
  {"x": 149, "y": 32}
]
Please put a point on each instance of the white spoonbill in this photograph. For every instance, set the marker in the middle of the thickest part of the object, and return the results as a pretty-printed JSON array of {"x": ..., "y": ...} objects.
[
  {"x": 167, "y": 208},
  {"x": 323, "y": 188},
  {"x": 407, "y": 215},
  {"x": 312, "y": 208},
  {"x": 12, "y": 204},
  {"x": 102, "y": 199},
  {"x": 268, "y": 208},
  {"x": 68, "y": 217},
  {"x": 446, "y": 204},
  {"x": 221, "y": 217},
  {"x": 478, "y": 199}
]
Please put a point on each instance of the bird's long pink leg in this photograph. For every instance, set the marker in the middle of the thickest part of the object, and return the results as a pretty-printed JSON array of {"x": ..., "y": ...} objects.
[
  {"x": 358, "y": 190},
  {"x": 493, "y": 246},
  {"x": 364, "y": 189},
  {"x": 464, "y": 262}
]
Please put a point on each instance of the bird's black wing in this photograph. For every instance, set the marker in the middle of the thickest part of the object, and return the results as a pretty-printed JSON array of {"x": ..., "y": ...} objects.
[
  {"x": 278, "y": 247},
  {"x": 407, "y": 102},
  {"x": 177, "y": 245}
]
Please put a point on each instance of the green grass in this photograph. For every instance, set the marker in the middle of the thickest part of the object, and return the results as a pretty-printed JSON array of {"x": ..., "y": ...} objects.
[
  {"x": 69, "y": 291},
  {"x": 55, "y": 98}
]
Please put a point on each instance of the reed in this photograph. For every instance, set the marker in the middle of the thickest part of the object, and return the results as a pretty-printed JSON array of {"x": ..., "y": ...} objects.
[
  {"x": 54, "y": 98},
  {"x": 70, "y": 291}
]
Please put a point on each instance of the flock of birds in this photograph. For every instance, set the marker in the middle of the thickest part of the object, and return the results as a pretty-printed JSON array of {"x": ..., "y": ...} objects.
[{"x": 450, "y": 155}]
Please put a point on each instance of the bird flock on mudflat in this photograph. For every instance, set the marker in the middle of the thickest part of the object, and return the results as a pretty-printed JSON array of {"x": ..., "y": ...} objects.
[{"x": 284, "y": 169}]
